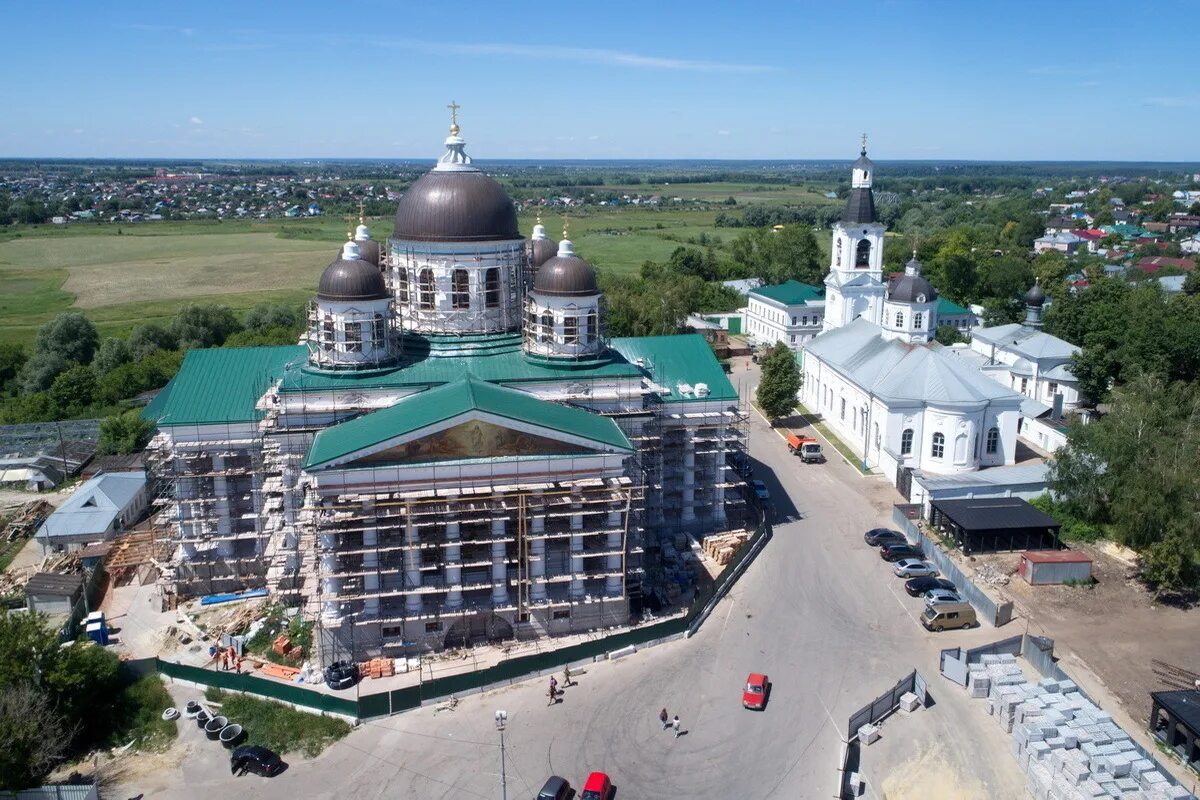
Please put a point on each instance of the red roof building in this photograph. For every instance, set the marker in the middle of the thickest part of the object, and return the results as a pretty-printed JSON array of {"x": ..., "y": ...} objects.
[{"x": 1155, "y": 263}]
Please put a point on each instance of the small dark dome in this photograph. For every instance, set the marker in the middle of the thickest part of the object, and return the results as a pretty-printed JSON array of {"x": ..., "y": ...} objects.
[
  {"x": 1035, "y": 296},
  {"x": 368, "y": 251},
  {"x": 352, "y": 280},
  {"x": 912, "y": 289},
  {"x": 541, "y": 251},
  {"x": 566, "y": 276},
  {"x": 863, "y": 162},
  {"x": 456, "y": 206}
]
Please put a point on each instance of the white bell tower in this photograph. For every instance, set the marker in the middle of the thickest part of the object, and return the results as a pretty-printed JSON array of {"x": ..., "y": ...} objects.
[{"x": 854, "y": 287}]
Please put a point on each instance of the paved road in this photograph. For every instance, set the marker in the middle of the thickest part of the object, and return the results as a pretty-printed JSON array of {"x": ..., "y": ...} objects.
[{"x": 818, "y": 611}]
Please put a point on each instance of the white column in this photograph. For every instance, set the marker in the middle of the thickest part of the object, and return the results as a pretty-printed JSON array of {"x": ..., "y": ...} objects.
[
  {"x": 612, "y": 584},
  {"x": 453, "y": 565},
  {"x": 577, "y": 587},
  {"x": 223, "y": 526},
  {"x": 537, "y": 558},
  {"x": 331, "y": 588},
  {"x": 688, "y": 494},
  {"x": 412, "y": 567},
  {"x": 499, "y": 568},
  {"x": 370, "y": 560}
]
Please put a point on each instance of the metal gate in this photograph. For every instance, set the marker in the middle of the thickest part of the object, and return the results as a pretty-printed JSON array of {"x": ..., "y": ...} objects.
[
  {"x": 954, "y": 665},
  {"x": 904, "y": 481}
]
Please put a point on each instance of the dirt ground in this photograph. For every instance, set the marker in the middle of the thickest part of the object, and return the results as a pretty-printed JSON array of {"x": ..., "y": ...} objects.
[
  {"x": 1114, "y": 627},
  {"x": 930, "y": 774}
]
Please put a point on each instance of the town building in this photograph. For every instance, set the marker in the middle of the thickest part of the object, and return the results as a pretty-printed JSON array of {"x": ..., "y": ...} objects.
[
  {"x": 457, "y": 452},
  {"x": 790, "y": 312},
  {"x": 95, "y": 512}
]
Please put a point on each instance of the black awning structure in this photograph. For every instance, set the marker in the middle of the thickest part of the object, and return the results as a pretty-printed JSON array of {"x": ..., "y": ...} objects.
[
  {"x": 1175, "y": 721},
  {"x": 992, "y": 524}
]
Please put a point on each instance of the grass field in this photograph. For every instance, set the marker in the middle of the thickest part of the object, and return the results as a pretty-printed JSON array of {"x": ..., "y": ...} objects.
[{"x": 124, "y": 275}]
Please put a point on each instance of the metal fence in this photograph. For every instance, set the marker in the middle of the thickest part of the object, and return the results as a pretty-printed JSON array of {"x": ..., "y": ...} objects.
[
  {"x": 237, "y": 682},
  {"x": 886, "y": 703},
  {"x": 996, "y": 613},
  {"x": 68, "y": 792}
]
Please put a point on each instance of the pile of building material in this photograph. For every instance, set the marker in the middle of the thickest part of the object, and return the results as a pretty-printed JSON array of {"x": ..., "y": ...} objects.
[
  {"x": 1069, "y": 748},
  {"x": 27, "y": 519},
  {"x": 722, "y": 547},
  {"x": 377, "y": 668}
]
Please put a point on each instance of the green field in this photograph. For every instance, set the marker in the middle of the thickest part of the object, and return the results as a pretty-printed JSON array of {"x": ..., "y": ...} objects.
[{"x": 123, "y": 275}]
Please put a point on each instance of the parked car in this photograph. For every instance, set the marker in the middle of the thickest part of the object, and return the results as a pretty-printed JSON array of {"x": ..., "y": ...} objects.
[
  {"x": 940, "y": 597},
  {"x": 754, "y": 693},
  {"x": 760, "y": 490},
  {"x": 555, "y": 788},
  {"x": 597, "y": 787},
  {"x": 923, "y": 584},
  {"x": 341, "y": 675},
  {"x": 879, "y": 537},
  {"x": 252, "y": 758},
  {"x": 895, "y": 552},
  {"x": 912, "y": 567},
  {"x": 951, "y": 615},
  {"x": 740, "y": 463}
]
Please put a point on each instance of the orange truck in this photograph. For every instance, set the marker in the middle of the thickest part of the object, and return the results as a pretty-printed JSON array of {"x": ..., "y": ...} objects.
[{"x": 807, "y": 448}]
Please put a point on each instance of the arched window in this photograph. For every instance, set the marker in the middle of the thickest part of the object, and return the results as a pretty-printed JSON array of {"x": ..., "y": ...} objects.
[
  {"x": 876, "y": 426},
  {"x": 592, "y": 331},
  {"x": 547, "y": 332},
  {"x": 862, "y": 254},
  {"x": 939, "y": 446},
  {"x": 918, "y": 318},
  {"x": 327, "y": 337},
  {"x": 843, "y": 409},
  {"x": 379, "y": 339},
  {"x": 839, "y": 252},
  {"x": 402, "y": 284},
  {"x": 491, "y": 288},
  {"x": 425, "y": 289},
  {"x": 899, "y": 319},
  {"x": 992, "y": 443},
  {"x": 570, "y": 330},
  {"x": 353, "y": 337},
  {"x": 460, "y": 289},
  {"x": 906, "y": 438}
]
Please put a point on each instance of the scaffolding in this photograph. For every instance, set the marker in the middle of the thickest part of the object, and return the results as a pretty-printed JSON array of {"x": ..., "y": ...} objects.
[{"x": 352, "y": 338}]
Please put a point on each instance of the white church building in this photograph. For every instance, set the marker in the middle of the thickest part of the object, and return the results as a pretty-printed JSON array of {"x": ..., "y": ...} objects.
[{"x": 928, "y": 419}]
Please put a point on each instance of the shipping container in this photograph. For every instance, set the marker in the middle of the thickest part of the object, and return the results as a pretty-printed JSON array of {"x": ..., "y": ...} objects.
[{"x": 1044, "y": 567}]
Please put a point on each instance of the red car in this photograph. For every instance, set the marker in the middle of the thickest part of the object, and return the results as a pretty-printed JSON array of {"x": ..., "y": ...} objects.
[
  {"x": 597, "y": 787},
  {"x": 754, "y": 694}
]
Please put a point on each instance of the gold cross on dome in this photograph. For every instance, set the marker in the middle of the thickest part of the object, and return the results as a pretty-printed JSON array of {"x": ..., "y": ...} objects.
[
  {"x": 454, "y": 107},
  {"x": 360, "y": 211},
  {"x": 864, "y": 142}
]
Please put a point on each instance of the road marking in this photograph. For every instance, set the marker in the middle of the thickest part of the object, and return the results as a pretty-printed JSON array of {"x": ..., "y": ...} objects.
[{"x": 901, "y": 602}]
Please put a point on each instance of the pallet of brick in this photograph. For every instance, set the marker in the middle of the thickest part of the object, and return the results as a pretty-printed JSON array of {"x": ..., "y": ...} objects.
[{"x": 387, "y": 667}]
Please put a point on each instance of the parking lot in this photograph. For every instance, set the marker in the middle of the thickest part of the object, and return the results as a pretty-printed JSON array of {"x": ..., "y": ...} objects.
[{"x": 818, "y": 612}]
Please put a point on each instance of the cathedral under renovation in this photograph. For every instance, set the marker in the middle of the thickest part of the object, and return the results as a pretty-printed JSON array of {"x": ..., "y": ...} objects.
[{"x": 456, "y": 451}]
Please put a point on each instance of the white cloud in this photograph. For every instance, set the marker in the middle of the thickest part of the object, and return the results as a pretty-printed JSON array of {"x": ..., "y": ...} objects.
[
  {"x": 196, "y": 121},
  {"x": 722, "y": 133},
  {"x": 1172, "y": 101}
]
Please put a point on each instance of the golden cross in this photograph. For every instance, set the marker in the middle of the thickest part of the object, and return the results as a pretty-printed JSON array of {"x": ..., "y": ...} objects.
[
  {"x": 454, "y": 107},
  {"x": 360, "y": 211},
  {"x": 864, "y": 142}
]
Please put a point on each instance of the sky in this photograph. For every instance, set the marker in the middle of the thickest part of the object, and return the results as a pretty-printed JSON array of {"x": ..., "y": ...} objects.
[{"x": 999, "y": 80}]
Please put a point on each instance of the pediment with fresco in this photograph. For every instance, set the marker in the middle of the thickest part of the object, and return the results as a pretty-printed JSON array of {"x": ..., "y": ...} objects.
[{"x": 471, "y": 439}]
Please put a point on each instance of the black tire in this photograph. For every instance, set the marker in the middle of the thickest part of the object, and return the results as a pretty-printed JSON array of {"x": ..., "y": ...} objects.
[{"x": 938, "y": 628}]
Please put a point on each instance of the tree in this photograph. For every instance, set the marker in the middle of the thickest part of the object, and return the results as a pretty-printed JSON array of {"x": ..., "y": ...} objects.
[
  {"x": 12, "y": 358},
  {"x": 203, "y": 325},
  {"x": 71, "y": 336},
  {"x": 40, "y": 371},
  {"x": 113, "y": 353},
  {"x": 948, "y": 335},
  {"x": 74, "y": 390},
  {"x": 792, "y": 253},
  {"x": 272, "y": 315},
  {"x": 34, "y": 737},
  {"x": 123, "y": 433},
  {"x": 780, "y": 383},
  {"x": 150, "y": 338},
  {"x": 1002, "y": 311}
]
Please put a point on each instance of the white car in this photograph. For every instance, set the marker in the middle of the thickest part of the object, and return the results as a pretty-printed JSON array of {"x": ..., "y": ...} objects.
[
  {"x": 937, "y": 597},
  {"x": 913, "y": 567}
]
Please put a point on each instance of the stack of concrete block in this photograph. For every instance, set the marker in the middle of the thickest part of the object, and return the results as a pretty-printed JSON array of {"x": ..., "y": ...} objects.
[{"x": 1068, "y": 747}]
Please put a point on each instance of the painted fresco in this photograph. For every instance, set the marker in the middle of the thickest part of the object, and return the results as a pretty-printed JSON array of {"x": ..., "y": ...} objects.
[{"x": 473, "y": 439}]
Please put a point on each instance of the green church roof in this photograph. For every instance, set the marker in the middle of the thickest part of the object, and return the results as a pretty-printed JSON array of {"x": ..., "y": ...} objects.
[
  {"x": 672, "y": 360},
  {"x": 949, "y": 308},
  {"x": 791, "y": 293},
  {"x": 454, "y": 399},
  {"x": 221, "y": 385}
]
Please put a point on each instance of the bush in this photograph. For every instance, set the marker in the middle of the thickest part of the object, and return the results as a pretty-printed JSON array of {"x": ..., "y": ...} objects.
[
  {"x": 71, "y": 336},
  {"x": 137, "y": 715},
  {"x": 123, "y": 433},
  {"x": 278, "y": 727}
]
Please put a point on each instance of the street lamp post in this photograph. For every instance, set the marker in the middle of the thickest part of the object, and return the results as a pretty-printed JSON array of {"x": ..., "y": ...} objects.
[{"x": 501, "y": 718}]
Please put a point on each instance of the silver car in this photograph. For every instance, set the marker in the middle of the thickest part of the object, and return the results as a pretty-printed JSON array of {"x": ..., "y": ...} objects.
[
  {"x": 913, "y": 567},
  {"x": 938, "y": 597}
]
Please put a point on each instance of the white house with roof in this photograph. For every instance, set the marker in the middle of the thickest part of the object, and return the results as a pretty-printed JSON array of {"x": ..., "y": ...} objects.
[
  {"x": 96, "y": 511},
  {"x": 790, "y": 312},
  {"x": 1062, "y": 241}
]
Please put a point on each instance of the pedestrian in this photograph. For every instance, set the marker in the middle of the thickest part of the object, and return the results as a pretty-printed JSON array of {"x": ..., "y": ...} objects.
[
  {"x": 224, "y": 660},
  {"x": 675, "y": 725},
  {"x": 664, "y": 719},
  {"x": 566, "y": 675},
  {"x": 239, "y": 664},
  {"x": 553, "y": 685}
]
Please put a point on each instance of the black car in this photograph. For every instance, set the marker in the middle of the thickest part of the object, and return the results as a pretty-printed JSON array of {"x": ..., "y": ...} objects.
[
  {"x": 921, "y": 585},
  {"x": 252, "y": 758},
  {"x": 877, "y": 537},
  {"x": 895, "y": 552},
  {"x": 555, "y": 788},
  {"x": 341, "y": 675}
]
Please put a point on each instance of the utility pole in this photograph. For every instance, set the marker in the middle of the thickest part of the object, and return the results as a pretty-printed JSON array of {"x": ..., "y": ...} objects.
[{"x": 501, "y": 718}]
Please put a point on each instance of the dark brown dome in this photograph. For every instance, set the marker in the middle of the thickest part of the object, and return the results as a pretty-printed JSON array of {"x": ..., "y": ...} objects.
[
  {"x": 368, "y": 250},
  {"x": 566, "y": 276},
  {"x": 456, "y": 206},
  {"x": 541, "y": 251},
  {"x": 352, "y": 280}
]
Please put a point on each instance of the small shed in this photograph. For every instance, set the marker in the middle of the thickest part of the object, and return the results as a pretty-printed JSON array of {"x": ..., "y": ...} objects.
[
  {"x": 992, "y": 524},
  {"x": 1175, "y": 721},
  {"x": 53, "y": 593},
  {"x": 1044, "y": 567}
]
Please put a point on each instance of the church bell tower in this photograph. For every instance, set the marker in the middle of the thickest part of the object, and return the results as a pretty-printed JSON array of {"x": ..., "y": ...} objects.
[{"x": 854, "y": 287}]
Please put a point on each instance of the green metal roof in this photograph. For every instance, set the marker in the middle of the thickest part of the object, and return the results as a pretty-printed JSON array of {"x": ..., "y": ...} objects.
[
  {"x": 949, "y": 308},
  {"x": 454, "y": 399},
  {"x": 220, "y": 385},
  {"x": 792, "y": 293},
  {"x": 672, "y": 360}
]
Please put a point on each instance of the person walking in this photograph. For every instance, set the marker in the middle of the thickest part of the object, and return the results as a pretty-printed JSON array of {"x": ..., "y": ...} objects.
[
  {"x": 566, "y": 675},
  {"x": 553, "y": 689},
  {"x": 675, "y": 725},
  {"x": 664, "y": 719}
]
